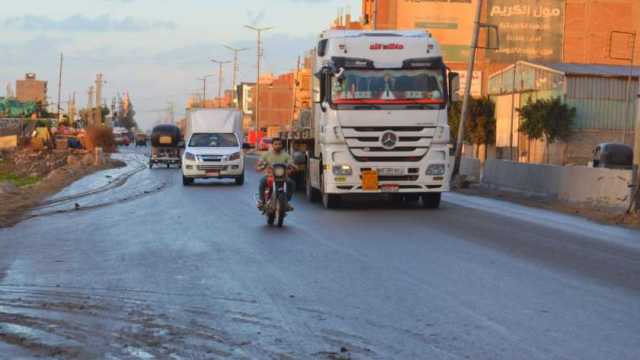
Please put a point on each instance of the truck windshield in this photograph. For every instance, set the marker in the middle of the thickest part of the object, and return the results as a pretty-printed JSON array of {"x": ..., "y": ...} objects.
[
  {"x": 403, "y": 87},
  {"x": 213, "y": 140}
]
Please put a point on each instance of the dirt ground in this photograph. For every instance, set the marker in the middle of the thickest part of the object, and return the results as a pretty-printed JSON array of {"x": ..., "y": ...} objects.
[
  {"x": 44, "y": 173},
  {"x": 597, "y": 215}
]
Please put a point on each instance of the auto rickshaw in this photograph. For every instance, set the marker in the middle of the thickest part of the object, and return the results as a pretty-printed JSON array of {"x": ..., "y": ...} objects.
[{"x": 166, "y": 143}]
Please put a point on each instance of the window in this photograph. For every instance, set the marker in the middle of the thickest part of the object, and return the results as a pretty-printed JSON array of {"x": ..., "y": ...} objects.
[
  {"x": 392, "y": 87},
  {"x": 213, "y": 140}
]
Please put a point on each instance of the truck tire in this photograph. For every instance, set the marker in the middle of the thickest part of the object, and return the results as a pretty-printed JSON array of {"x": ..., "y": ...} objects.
[
  {"x": 313, "y": 195},
  {"x": 240, "y": 180},
  {"x": 186, "y": 181},
  {"x": 431, "y": 200},
  {"x": 331, "y": 201}
]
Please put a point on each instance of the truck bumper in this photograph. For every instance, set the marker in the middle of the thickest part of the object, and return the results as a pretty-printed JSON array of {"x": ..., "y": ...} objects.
[{"x": 410, "y": 177}]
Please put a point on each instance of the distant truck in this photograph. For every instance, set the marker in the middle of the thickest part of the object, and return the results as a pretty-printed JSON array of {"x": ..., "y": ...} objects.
[
  {"x": 213, "y": 147},
  {"x": 379, "y": 123}
]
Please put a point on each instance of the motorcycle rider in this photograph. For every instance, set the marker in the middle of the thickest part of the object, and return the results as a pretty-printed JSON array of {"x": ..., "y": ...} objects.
[{"x": 275, "y": 156}]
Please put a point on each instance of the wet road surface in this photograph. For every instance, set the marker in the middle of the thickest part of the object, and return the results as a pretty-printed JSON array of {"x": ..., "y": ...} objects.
[{"x": 193, "y": 272}]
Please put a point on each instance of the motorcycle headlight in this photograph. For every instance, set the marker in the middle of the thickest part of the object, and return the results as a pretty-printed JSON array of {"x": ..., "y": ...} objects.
[
  {"x": 342, "y": 170},
  {"x": 189, "y": 156},
  {"x": 436, "y": 169},
  {"x": 279, "y": 171},
  {"x": 233, "y": 157}
]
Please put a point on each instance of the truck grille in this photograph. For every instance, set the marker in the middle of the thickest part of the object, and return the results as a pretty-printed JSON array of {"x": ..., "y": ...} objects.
[
  {"x": 212, "y": 167},
  {"x": 412, "y": 143}
]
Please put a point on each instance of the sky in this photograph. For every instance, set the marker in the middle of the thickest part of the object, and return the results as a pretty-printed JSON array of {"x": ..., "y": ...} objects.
[{"x": 154, "y": 49}]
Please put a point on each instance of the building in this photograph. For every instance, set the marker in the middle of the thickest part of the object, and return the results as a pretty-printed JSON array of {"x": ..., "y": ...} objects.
[
  {"x": 553, "y": 31},
  {"x": 246, "y": 93},
  {"x": 276, "y": 102},
  {"x": 31, "y": 89},
  {"x": 603, "y": 95}
]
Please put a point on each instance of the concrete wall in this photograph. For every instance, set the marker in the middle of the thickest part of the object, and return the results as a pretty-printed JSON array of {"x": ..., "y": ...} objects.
[
  {"x": 470, "y": 168},
  {"x": 578, "y": 185}
]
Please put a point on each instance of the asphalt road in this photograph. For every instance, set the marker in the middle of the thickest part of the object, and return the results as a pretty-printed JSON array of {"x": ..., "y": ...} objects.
[{"x": 194, "y": 272}]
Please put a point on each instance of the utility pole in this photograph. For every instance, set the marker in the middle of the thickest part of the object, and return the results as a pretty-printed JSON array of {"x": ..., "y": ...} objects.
[
  {"x": 467, "y": 88},
  {"x": 235, "y": 71},
  {"x": 636, "y": 158},
  {"x": 259, "y": 32},
  {"x": 295, "y": 88},
  {"x": 60, "y": 89},
  {"x": 99, "y": 99},
  {"x": 375, "y": 14},
  {"x": 220, "y": 78},
  {"x": 204, "y": 88}
]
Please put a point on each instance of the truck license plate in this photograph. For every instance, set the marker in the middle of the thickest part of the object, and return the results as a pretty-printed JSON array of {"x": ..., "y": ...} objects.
[
  {"x": 369, "y": 180},
  {"x": 391, "y": 171},
  {"x": 213, "y": 173}
]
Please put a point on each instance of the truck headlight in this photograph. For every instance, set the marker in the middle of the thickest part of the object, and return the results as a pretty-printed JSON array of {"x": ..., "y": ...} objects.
[
  {"x": 189, "y": 156},
  {"x": 342, "y": 170},
  {"x": 436, "y": 169},
  {"x": 233, "y": 157}
]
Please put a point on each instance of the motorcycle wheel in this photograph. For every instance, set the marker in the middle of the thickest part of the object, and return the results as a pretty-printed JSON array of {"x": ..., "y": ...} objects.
[{"x": 280, "y": 211}]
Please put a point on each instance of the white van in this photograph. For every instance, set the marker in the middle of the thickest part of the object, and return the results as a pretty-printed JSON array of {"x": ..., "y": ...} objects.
[{"x": 213, "y": 148}]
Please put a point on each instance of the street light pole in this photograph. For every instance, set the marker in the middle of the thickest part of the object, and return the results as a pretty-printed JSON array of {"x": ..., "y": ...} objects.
[
  {"x": 220, "y": 63},
  {"x": 235, "y": 70},
  {"x": 467, "y": 88},
  {"x": 204, "y": 87},
  {"x": 259, "y": 55}
]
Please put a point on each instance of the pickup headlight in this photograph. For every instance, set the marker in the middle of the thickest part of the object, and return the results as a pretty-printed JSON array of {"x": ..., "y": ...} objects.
[
  {"x": 233, "y": 157},
  {"x": 342, "y": 170},
  {"x": 436, "y": 169},
  {"x": 189, "y": 156}
]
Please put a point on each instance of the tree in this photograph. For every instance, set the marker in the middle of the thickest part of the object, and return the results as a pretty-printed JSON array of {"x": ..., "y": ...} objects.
[
  {"x": 548, "y": 119},
  {"x": 126, "y": 118},
  {"x": 480, "y": 129}
]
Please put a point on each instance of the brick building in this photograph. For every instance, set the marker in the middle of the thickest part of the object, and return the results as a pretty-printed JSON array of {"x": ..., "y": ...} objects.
[
  {"x": 569, "y": 31},
  {"x": 276, "y": 102},
  {"x": 31, "y": 89},
  {"x": 553, "y": 33}
]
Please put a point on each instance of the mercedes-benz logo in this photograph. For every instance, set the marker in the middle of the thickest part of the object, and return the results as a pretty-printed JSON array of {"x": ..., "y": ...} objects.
[{"x": 388, "y": 140}]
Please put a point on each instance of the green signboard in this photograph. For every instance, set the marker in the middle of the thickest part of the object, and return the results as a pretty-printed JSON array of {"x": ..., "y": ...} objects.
[{"x": 530, "y": 30}]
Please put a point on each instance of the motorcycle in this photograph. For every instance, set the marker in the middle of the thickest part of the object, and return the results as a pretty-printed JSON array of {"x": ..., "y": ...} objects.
[{"x": 276, "y": 204}]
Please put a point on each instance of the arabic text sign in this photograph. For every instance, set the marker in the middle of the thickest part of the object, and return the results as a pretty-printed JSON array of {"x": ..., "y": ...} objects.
[
  {"x": 450, "y": 22},
  {"x": 529, "y": 30},
  {"x": 476, "y": 83}
]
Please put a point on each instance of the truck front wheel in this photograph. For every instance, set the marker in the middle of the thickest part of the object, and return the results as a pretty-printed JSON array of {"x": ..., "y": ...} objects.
[
  {"x": 312, "y": 194},
  {"x": 330, "y": 201},
  {"x": 431, "y": 200}
]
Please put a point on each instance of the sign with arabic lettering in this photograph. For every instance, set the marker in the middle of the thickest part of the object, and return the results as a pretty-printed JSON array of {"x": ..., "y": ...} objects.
[{"x": 529, "y": 30}]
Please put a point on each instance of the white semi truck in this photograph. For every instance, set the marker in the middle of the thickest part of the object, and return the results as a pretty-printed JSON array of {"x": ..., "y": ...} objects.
[{"x": 380, "y": 117}]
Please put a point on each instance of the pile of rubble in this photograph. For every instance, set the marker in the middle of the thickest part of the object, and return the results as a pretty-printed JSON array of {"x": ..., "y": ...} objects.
[{"x": 42, "y": 163}]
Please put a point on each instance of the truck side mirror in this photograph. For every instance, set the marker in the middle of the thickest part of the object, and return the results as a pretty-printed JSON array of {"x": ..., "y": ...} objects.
[{"x": 454, "y": 86}]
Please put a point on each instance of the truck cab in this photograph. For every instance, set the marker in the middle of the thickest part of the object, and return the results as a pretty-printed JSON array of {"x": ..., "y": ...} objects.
[{"x": 380, "y": 117}]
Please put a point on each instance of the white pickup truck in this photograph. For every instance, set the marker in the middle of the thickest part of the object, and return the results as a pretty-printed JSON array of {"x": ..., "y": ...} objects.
[{"x": 213, "y": 148}]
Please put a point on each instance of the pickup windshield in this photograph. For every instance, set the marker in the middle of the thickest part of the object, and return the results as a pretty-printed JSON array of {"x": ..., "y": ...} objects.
[
  {"x": 406, "y": 88},
  {"x": 213, "y": 140}
]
